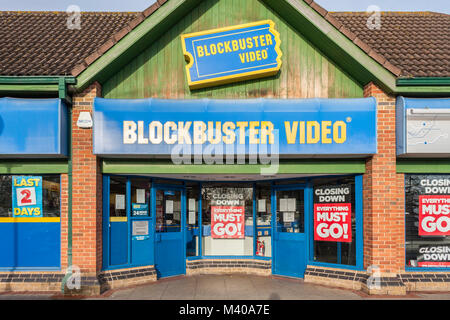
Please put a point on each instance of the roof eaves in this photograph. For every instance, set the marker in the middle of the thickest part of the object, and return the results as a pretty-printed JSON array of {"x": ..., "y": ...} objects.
[{"x": 115, "y": 38}]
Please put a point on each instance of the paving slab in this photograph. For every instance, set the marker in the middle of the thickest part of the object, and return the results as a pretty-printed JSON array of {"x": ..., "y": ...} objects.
[{"x": 231, "y": 287}]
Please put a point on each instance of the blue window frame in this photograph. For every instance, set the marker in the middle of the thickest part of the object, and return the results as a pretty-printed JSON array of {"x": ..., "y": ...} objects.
[
  {"x": 308, "y": 185},
  {"x": 432, "y": 185},
  {"x": 338, "y": 250}
]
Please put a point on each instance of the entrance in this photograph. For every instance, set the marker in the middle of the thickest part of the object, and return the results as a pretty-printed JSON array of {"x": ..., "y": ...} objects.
[
  {"x": 289, "y": 240},
  {"x": 169, "y": 208}
]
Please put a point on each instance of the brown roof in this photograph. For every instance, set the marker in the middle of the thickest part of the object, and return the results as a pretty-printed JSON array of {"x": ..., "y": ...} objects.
[
  {"x": 416, "y": 42},
  {"x": 39, "y": 43}
]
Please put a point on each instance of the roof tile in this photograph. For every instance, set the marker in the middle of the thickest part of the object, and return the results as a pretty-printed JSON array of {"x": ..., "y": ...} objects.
[
  {"x": 40, "y": 43},
  {"x": 416, "y": 43}
]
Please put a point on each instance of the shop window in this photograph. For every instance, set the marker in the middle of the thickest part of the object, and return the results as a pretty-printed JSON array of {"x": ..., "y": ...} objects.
[
  {"x": 227, "y": 214},
  {"x": 117, "y": 197},
  {"x": 334, "y": 221},
  {"x": 32, "y": 196},
  {"x": 140, "y": 197},
  {"x": 427, "y": 222},
  {"x": 5, "y": 196},
  {"x": 263, "y": 220},
  {"x": 192, "y": 222}
]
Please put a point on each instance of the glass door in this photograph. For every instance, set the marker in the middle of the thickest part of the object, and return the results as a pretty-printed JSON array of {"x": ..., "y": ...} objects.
[
  {"x": 289, "y": 254},
  {"x": 169, "y": 208}
]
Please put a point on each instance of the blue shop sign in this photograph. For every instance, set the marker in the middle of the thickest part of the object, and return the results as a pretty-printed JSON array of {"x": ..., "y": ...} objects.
[
  {"x": 155, "y": 127},
  {"x": 232, "y": 54},
  {"x": 33, "y": 128},
  {"x": 27, "y": 197}
]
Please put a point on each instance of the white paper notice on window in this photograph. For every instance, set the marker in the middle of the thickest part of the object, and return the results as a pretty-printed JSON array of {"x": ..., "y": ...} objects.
[
  {"x": 262, "y": 205},
  {"x": 120, "y": 202},
  {"x": 191, "y": 219},
  {"x": 169, "y": 206},
  {"x": 288, "y": 216},
  {"x": 283, "y": 205},
  {"x": 291, "y": 204},
  {"x": 192, "y": 205},
  {"x": 140, "y": 195}
]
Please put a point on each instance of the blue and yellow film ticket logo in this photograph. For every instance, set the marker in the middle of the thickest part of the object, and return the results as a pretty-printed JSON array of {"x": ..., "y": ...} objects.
[{"x": 232, "y": 54}]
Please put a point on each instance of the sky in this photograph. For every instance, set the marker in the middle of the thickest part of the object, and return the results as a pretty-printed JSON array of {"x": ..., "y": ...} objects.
[{"x": 139, "y": 5}]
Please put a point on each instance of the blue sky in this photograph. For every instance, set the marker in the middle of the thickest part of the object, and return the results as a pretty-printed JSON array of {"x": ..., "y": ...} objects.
[{"x": 139, "y": 5}]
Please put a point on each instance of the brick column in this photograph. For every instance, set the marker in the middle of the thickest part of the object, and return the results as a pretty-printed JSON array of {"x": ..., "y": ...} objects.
[
  {"x": 383, "y": 194},
  {"x": 86, "y": 190}
]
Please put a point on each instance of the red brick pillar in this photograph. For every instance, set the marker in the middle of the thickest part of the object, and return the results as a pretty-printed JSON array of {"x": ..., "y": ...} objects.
[
  {"x": 383, "y": 194},
  {"x": 86, "y": 190}
]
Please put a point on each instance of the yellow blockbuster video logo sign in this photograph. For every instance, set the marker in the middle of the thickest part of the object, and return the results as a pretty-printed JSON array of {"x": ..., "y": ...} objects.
[{"x": 231, "y": 54}]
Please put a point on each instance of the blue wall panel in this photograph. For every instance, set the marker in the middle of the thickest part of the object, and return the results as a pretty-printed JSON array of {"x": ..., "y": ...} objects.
[
  {"x": 118, "y": 243},
  {"x": 40, "y": 130},
  {"x": 30, "y": 245}
]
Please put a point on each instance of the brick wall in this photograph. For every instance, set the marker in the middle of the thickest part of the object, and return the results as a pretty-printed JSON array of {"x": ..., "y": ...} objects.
[
  {"x": 87, "y": 186},
  {"x": 383, "y": 193}
]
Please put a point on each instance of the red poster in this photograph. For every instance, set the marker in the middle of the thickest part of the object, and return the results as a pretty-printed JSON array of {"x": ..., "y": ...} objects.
[
  {"x": 227, "y": 222},
  {"x": 434, "y": 215},
  {"x": 332, "y": 222}
]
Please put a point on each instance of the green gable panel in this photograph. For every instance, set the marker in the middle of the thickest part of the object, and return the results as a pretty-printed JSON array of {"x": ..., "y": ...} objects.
[{"x": 159, "y": 71}]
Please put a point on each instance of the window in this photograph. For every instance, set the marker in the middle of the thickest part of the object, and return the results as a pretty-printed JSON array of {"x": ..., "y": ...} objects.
[
  {"x": 5, "y": 196},
  {"x": 427, "y": 221},
  {"x": 168, "y": 211},
  {"x": 227, "y": 214},
  {"x": 334, "y": 220},
  {"x": 43, "y": 194},
  {"x": 117, "y": 197},
  {"x": 290, "y": 211},
  {"x": 263, "y": 220},
  {"x": 192, "y": 221},
  {"x": 140, "y": 197}
]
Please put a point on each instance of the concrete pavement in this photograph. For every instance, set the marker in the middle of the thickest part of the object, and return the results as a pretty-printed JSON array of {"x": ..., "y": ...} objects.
[{"x": 230, "y": 287}]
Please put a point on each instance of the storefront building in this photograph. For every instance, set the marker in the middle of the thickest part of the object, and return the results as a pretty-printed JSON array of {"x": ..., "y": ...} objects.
[{"x": 269, "y": 138}]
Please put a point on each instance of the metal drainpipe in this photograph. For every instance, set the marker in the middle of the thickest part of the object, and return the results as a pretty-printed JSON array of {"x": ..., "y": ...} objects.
[{"x": 69, "y": 194}]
